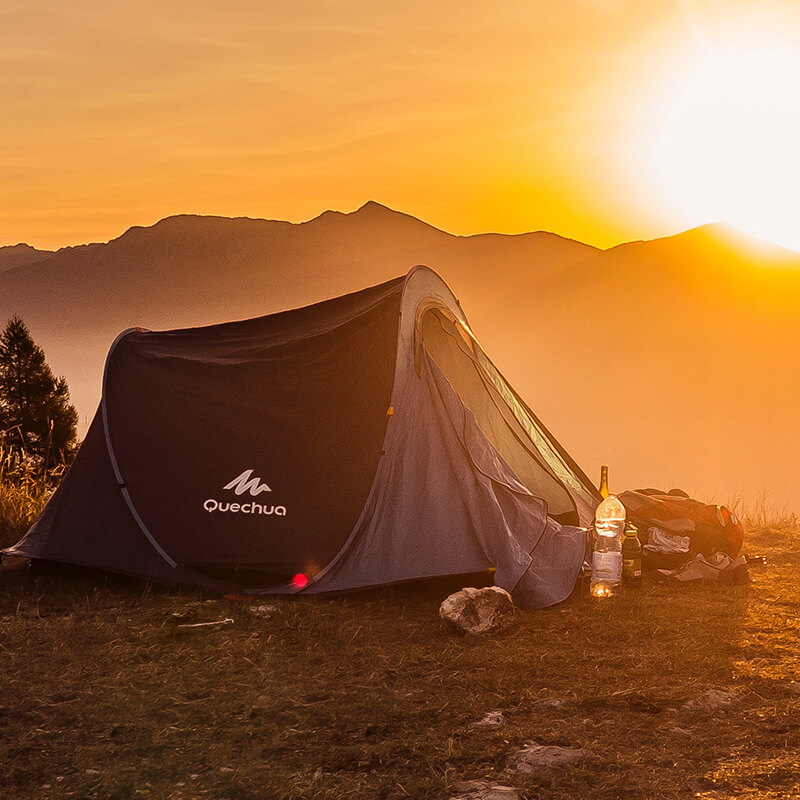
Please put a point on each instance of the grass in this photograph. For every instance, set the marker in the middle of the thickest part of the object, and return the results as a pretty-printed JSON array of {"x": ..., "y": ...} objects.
[
  {"x": 369, "y": 695},
  {"x": 23, "y": 493},
  {"x": 761, "y": 512}
]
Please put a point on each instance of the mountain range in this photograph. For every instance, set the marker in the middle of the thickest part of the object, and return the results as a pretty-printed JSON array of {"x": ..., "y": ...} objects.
[{"x": 672, "y": 360}]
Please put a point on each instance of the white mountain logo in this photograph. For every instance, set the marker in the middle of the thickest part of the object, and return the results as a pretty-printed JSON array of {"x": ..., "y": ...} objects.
[{"x": 244, "y": 483}]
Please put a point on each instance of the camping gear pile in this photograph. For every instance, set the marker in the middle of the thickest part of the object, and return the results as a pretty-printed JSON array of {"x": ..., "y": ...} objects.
[{"x": 686, "y": 540}]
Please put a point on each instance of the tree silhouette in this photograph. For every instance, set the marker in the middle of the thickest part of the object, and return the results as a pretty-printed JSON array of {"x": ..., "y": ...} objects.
[{"x": 36, "y": 417}]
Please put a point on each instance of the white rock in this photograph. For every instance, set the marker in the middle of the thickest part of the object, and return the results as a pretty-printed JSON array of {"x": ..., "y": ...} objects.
[
  {"x": 491, "y": 719},
  {"x": 479, "y": 611},
  {"x": 552, "y": 702},
  {"x": 711, "y": 700},
  {"x": 533, "y": 758},
  {"x": 263, "y": 611},
  {"x": 484, "y": 790}
]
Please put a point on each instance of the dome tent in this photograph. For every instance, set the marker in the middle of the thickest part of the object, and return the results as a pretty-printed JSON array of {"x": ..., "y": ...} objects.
[{"x": 355, "y": 442}]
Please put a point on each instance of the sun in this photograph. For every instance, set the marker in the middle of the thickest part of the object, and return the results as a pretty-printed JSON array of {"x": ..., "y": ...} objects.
[{"x": 729, "y": 144}]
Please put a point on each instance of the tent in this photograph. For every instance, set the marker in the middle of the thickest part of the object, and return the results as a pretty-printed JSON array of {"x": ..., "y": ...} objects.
[{"x": 360, "y": 441}]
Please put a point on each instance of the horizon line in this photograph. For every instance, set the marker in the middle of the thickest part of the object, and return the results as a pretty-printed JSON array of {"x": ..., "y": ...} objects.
[{"x": 376, "y": 204}]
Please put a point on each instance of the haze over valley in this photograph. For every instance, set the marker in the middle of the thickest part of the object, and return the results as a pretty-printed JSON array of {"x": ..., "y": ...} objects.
[{"x": 672, "y": 360}]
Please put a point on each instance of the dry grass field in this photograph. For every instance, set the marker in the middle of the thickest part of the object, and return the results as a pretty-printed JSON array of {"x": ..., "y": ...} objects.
[{"x": 103, "y": 695}]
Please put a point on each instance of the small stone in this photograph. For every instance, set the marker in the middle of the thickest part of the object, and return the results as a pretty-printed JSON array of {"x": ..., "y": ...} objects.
[
  {"x": 180, "y": 783},
  {"x": 226, "y": 769},
  {"x": 491, "y": 719},
  {"x": 263, "y": 611},
  {"x": 499, "y": 792},
  {"x": 484, "y": 790},
  {"x": 92, "y": 771},
  {"x": 60, "y": 778},
  {"x": 552, "y": 702},
  {"x": 711, "y": 700},
  {"x": 534, "y": 758},
  {"x": 479, "y": 611},
  {"x": 194, "y": 776}
]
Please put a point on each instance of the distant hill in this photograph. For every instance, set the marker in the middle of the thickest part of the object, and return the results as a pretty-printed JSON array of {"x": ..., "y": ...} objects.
[
  {"x": 18, "y": 255},
  {"x": 672, "y": 360}
]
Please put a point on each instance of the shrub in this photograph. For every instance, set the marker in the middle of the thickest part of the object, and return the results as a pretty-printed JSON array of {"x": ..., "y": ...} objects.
[{"x": 36, "y": 417}]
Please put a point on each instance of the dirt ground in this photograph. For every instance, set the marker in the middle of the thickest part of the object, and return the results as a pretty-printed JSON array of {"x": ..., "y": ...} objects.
[{"x": 103, "y": 695}]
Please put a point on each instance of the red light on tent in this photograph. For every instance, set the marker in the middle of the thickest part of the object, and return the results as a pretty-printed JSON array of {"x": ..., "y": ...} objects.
[{"x": 299, "y": 581}]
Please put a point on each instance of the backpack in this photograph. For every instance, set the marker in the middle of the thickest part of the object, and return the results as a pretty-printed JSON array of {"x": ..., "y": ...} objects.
[{"x": 709, "y": 528}]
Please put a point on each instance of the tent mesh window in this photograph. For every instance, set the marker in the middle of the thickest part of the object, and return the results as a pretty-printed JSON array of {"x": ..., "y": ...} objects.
[{"x": 513, "y": 430}]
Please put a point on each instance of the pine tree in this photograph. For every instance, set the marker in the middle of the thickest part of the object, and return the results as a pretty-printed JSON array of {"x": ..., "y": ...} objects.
[{"x": 36, "y": 417}]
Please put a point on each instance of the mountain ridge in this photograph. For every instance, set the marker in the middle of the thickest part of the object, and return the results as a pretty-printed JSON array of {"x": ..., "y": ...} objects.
[
  {"x": 717, "y": 231},
  {"x": 20, "y": 255}
]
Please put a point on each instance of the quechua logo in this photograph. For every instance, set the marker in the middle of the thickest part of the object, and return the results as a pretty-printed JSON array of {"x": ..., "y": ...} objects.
[{"x": 244, "y": 484}]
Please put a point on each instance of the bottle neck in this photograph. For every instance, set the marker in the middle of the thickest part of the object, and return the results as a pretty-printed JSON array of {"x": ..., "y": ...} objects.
[{"x": 604, "y": 482}]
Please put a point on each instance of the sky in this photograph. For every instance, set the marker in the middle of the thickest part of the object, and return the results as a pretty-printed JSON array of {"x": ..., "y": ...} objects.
[{"x": 579, "y": 117}]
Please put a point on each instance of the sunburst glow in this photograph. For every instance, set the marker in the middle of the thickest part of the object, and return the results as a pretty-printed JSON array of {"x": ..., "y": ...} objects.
[{"x": 729, "y": 148}]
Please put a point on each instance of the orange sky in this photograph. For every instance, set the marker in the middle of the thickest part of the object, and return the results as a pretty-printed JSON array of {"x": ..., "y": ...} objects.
[{"x": 509, "y": 116}]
